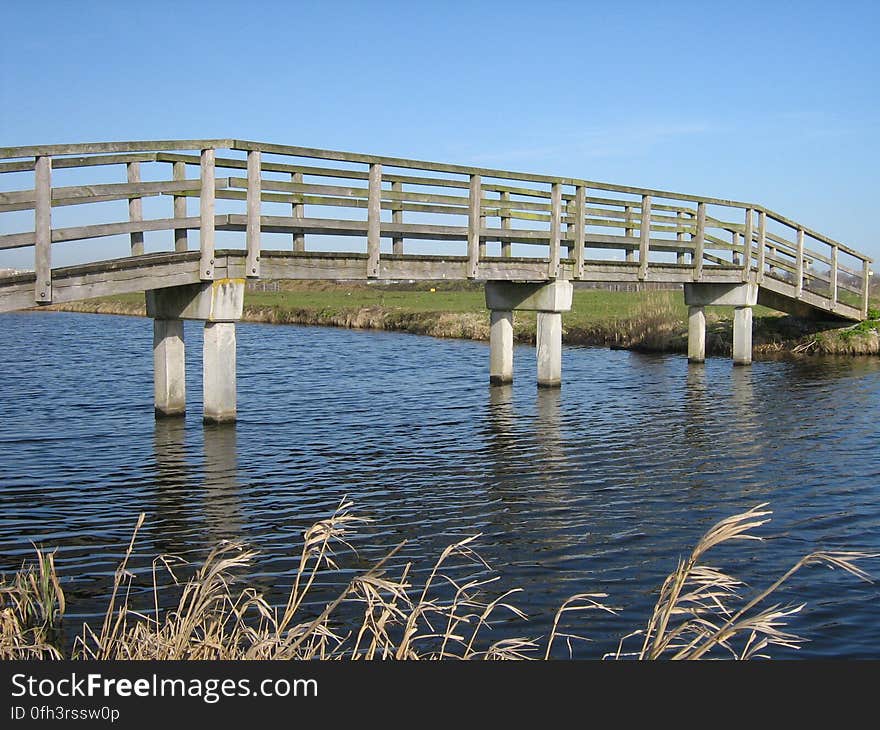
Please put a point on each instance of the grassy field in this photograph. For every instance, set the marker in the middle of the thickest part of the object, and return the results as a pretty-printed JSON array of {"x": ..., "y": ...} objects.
[
  {"x": 589, "y": 306},
  {"x": 648, "y": 320}
]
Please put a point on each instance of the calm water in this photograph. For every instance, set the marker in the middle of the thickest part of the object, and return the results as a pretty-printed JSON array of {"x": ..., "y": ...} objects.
[{"x": 599, "y": 487}]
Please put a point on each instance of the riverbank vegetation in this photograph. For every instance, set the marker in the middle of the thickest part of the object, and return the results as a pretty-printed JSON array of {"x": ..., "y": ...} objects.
[
  {"x": 648, "y": 321},
  {"x": 385, "y": 612}
]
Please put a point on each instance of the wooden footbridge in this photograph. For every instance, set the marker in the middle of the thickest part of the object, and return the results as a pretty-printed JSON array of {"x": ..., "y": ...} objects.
[{"x": 319, "y": 214}]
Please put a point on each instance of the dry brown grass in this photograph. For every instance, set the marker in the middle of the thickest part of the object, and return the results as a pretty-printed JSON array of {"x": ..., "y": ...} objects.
[
  {"x": 31, "y": 607},
  {"x": 700, "y": 612}
]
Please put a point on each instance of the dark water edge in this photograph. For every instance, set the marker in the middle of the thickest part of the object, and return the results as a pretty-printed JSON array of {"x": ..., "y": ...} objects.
[{"x": 598, "y": 487}]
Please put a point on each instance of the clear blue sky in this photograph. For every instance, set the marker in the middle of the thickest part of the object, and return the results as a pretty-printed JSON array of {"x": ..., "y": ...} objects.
[{"x": 772, "y": 102}]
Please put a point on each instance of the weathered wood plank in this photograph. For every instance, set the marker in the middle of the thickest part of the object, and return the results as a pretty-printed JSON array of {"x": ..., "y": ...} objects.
[
  {"x": 121, "y": 190},
  {"x": 135, "y": 208},
  {"x": 762, "y": 245},
  {"x": 43, "y": 230},
  {"x": 399, "y": 162},
  {"x": 555, "y": 231},
  {"x": 181, "y": 235},
  {"x": 700, "y": 242},
  {"x": 67, "y": 162},
  {"x": 811, "y": 233},
  {"x": 86, "y": 148},
  {"x": 206, "y": 214},
  {"x": 580, "y": 231},
  {"x": 866, "y": 287},
  {"x": 644, "y": 237},
  {"x": 396, "y": 217},
  {"x": 506, "y": 246},
  {"x": 679, "y": 236},
  {"x": 299, "y": 211},
  {"x": 252, "y": 235},
  {"x": 101, "y": 230},
  {"x": 833, "y": 283},
  {"x": 374, "y": 220},
  {"x": 799, "y": 271},
  {"x": 474, "y": 227},
  {"x": 629, "y": 229},
  {"x": 748, "y": 235}
]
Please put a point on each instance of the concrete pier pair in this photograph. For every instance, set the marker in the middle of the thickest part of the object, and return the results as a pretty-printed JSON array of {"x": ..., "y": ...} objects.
[
  {"x": 219, "y": 305},
  {"x": 549, "y": 301},
  {"x": 740, "y": 296}
]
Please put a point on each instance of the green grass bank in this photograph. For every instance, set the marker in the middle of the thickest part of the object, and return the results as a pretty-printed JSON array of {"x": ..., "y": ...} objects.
[{"x": 649, "y": 321}]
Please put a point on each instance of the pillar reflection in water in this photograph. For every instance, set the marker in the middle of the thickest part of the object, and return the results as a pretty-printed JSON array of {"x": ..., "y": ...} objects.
[
  {"x": 748, "y": 443},
  {"x": 172, "y": 522},
  {"x": 222, "y": 501},
  {"x": 697, "y": 406}
]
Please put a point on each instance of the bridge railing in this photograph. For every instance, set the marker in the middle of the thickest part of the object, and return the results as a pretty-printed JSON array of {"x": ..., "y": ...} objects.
[{"x": 310, "y": 199}]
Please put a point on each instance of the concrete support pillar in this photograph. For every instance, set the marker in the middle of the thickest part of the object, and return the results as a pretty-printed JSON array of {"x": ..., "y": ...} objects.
[
  {"x": 219, "y": 372},
  {"x": 501, "y": 347},
  {"x": 549, "y": 300},
  {"x": 219, "y": 305},
  {"x": 742, "y": 336},
  {"x": 696, "y": 334},
  {"x": 549, "y": 349},
  {"x": 169, "y": 368}
]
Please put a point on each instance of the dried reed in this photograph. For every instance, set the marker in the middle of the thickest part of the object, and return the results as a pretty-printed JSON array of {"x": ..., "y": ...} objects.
[{"x": 700, "y": 612}]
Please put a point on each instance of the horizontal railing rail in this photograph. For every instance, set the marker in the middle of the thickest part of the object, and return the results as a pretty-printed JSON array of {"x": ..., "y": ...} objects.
[{"x": 576, "y": 224}]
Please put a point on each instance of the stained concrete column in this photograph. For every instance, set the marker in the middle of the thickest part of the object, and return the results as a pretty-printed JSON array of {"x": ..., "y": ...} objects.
[
  {"x": 696, "y": 334},
  {"x": 741, "y": 296},
  {"x": 549, "y": 349},
  {"x": 549, "y": 300},
  {"x": 218, "y": 372},
  {"x": 219, "y": 305},
  {"x": 169, "y": 368},
  {"x": 501, "y": 347},
  {"x": 742, "y": 336}
]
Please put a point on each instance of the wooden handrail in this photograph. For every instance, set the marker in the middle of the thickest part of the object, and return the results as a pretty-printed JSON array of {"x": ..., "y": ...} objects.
[{"x": 559, "y": 213}]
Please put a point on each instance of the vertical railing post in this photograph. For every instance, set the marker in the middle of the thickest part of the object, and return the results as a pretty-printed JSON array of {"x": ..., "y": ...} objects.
[
  {"x": 691, "y": 218},
  {"x": 397, "y": 217},
  {"x": 135, "y": 209},
  {"x": 699, "y": 241},
  {"x": 506, "y": 246},
  {"x": 834, "y": 257},
  {"x": 43, "y": 230},
  {"x": 580, "y": 230},
  {"x": 474, "y": 195},
  {"x": 644, "y": 237},
  {"x": 628, "y": 230},
  {"x": 374, "y": 219},
  {"x": 748, "y": 233},
  {"x": 181, "y": 242},
  {"x": 866, "y": 287},
  {"x": 297, "y": 210},
  {"x": 799, "y": 266},
  {"x": 734, "y": 254},
  {"x": 679, "y": 235},
  {"x": 206, "y": 215},
  {"x": 555, "y": 230},
  {"x": 762, "y": 243},
  {"x": 254, "y": 213}
]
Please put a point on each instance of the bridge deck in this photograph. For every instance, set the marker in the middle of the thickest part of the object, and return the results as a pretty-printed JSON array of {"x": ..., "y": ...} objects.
[{"x": 463, "y": 223}]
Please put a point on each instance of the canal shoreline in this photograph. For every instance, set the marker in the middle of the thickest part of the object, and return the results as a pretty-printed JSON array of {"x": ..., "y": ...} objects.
[{"x": 655, "y": 327}]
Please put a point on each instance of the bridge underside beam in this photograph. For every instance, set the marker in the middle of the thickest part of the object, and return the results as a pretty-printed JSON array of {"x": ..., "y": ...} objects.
[{"x": 163, "y": 270}]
